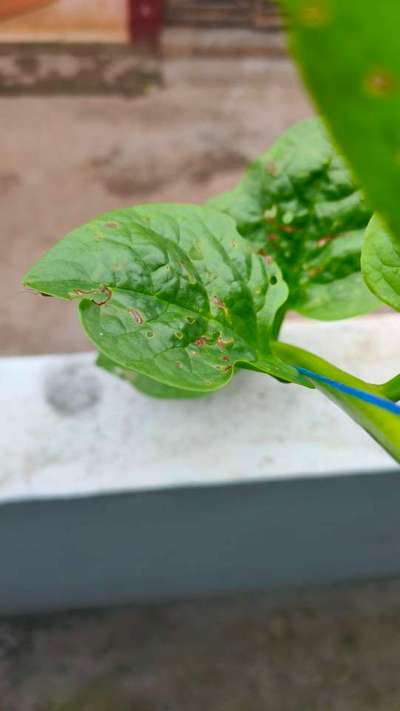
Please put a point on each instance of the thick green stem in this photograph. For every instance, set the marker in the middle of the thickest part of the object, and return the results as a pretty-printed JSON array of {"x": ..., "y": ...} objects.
[
  {"x": 391, "y": 389},
  {"x": 383, "y": 426}
]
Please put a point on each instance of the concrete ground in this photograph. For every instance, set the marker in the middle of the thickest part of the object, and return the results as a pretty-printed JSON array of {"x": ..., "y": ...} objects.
[
  {"x": 324, "y": 650},
  {"x": 64, "y": 160}
]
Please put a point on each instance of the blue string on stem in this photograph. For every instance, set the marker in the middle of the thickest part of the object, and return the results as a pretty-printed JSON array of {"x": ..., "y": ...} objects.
[{"x": 353, "y": 392}]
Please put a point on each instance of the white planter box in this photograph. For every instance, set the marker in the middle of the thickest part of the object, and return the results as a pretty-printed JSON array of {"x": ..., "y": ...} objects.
[{"x": 108, "y": 496}]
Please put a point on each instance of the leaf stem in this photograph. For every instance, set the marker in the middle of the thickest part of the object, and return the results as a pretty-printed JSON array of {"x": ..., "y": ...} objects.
[
  {"x": 391, "y": 389},
  {"x": 382, "y": 425}
]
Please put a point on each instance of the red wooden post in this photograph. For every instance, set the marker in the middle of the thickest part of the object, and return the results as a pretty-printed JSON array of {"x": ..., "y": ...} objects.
[{"x": 145, "y": 21}]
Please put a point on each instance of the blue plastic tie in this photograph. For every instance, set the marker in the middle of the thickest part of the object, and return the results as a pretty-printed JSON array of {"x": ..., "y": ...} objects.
[{"x": 354, "y": 392}]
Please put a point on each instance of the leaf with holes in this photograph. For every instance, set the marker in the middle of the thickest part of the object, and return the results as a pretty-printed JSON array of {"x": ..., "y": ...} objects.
[
  {"x": 298, "y": 205},
  {"x": 170, "y": 291}
]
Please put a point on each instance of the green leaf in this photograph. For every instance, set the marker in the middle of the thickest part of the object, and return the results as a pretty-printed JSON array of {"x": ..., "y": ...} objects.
[
  {"x": 145, "y": 385},
  {"x": 298, "y": 205},
  {"x": 381, "y": 262},
  {"x": 348, "y": 51},
  {"x": 337, "y": 289},
  {"x": 169, "y": 291}
]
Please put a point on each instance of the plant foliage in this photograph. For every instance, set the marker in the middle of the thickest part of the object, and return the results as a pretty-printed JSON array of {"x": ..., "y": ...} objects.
[{"x": 176, "y": 298}]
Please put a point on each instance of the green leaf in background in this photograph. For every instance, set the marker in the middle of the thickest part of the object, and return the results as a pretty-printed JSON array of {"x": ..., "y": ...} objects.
[
  {"x": 348, "y": 52},
  {"x": 169, "y": 291},
  {"x": 338, "y": 288},
  {"x": 145, "y": 385},
  {"x": 299, "y": 207},
  {"x": 381, "y": 262}
]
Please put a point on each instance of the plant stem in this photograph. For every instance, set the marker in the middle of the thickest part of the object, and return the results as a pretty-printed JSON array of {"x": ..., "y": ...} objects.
[
  {"x": 383, "y": 426},
  {"x": 391, "y": 389}
]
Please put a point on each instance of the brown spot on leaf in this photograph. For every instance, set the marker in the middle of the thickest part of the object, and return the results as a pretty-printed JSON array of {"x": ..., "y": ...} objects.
[
  {"x": 220, "y": 305},
  {"x": 108, "y": 294},
  {"x": 202, "y": 341},
  {"x": 314, "y": 13},
  {"x": 82, "y": 292},
  {"x": 286, "y": 228},
  {"x": 314, "y": 272},
  {"x": 224, "y": 342},
  {"x": 137, "y": 316},
  {"x": 92, "y": 292},
  {"x": 379, "y": 82},
  {"x": 324, "y": 240}
]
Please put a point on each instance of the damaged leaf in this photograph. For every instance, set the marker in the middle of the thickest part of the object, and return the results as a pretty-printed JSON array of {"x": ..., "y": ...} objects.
[
  {"x": 171, "y": 292},
  {"x": 299, "y": 207}
]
